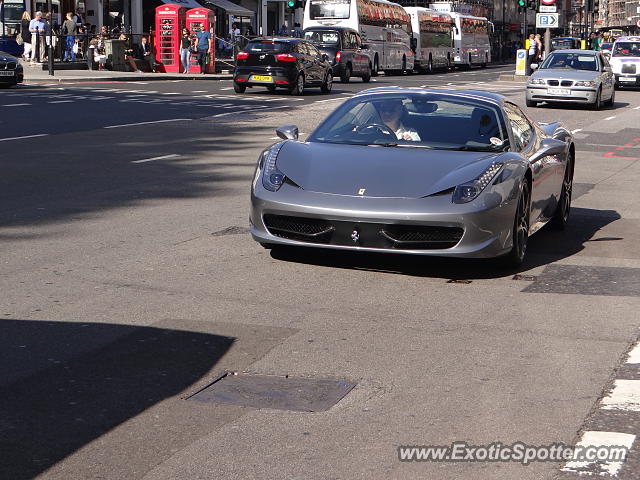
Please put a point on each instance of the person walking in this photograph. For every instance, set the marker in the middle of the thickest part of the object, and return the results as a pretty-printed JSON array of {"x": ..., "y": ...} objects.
[
  {"x": 203, "y": 45},
  {"x": 539, "y": 48},
  {"x": 186, "y": 44},
  {"x": 531, "y": 53},
  {"x": 37, "y": 27},
  {"x": 70, "y": 30},
  {"x": 26, "y": 35}
]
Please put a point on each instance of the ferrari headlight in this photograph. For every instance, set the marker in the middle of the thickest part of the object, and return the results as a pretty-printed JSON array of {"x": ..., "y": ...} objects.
[
  {"x": 469, "y": 191},
  {"x": 585, "y": 84},
  {"x": 536, "y": 81},
  {"x": 272, "y": 178}
]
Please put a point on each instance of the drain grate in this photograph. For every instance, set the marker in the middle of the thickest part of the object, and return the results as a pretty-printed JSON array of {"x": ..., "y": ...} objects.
[
  {"x": 277, "y": 392},
  {"x": 234, "y": 230},
  {"x": 587, "y": 280}
]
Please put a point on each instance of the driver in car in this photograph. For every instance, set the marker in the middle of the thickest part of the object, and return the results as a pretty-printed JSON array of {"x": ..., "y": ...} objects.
[{"x": 391, "y": 112}]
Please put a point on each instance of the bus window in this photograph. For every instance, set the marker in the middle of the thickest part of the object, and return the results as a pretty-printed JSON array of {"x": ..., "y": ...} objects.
[{"x": 320, "y": 9}]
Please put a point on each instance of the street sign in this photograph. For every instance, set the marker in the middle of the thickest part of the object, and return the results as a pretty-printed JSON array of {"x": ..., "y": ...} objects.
[
  {"x": 547, "y": 20},
  {"x": 521, "y": 62},
  {"x": 547, "y": 9},
  {"x": 547, "y": 2}
]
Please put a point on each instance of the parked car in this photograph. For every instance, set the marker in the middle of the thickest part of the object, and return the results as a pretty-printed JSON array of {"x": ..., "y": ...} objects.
[
  {"x": 579, "y": 76},
  {"x": 344, "y": 49},
  {"x": 290, "y": 63},
  {"x": 11, "y": 72},
  {"x": 625, "y": 61},
  {"x": 565, "y": 43},
  {"x": 416, "y": 171}
]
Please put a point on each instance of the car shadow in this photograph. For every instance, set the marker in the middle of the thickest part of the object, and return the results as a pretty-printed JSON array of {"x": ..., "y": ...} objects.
[
  {"x": 546, "y": 246},
  {"x": 580, "y": 106},
  {"x": 65, "y": 384}
]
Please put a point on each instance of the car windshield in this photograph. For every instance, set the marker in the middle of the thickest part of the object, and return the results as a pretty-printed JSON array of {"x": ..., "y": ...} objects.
[
  {"x": 320, "y": 9},
  {"x": 626, "y": 49},
  {"x": 322, "y": 37},
  {"x": 267, "y": 46},
  {"x": 418, "y": 120},
  {"x": 570, "y": 61}
]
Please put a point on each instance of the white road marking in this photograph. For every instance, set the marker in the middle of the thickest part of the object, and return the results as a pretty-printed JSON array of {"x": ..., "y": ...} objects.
[
  {"x": 227, "y": 88},
  {"x": 610, "y": 118},
  {"x": 153, "y": 159},
  {"x": 576, "y": 130},
  {"x": 171, "y": 93},
  {"x": 16, "y": 105},
  {"x": 21, "y": 138},
  {"x": 199, "y": 91},
  {"x": 61, "y": 101},
  {"x": 600, "y": 439},
  {"x": 625, "y": 396},
  {"x": 634, "y": 355},
  {"x": 636, "y": 108},
  {"x": 149, "y": 123}
]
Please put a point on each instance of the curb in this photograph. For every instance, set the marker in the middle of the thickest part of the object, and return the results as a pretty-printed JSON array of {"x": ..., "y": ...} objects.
[
  {"x": 138, "y": 78},
  {"x": 513, "y": 78}
]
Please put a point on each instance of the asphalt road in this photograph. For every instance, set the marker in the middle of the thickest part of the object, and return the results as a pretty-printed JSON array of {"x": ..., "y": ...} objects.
[{"x": 129, "y": 281}]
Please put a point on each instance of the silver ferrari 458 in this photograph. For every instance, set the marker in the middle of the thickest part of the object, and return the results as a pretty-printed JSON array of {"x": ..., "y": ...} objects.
[{"x": 416, "y": 171}]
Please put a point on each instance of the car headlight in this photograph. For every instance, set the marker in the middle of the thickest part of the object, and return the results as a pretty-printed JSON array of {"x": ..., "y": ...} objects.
[
  {"x": 585, "y": 84},
  {"x": 272, "y": 178},
  {"x": 469, "y": 191},
  {"x": 536, "y": 81}
]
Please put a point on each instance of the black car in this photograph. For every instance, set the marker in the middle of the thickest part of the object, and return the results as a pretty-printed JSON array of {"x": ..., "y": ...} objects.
[
  {"x": 290, "y": 63},
  {"x": 344, "y": 48},
  {"x": 11, "y": 72},
  {"x": 565, "y": 43}
]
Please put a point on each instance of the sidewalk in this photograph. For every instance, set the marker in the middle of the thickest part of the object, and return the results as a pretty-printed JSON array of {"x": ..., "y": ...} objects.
[{"x": 35, "y": 75}]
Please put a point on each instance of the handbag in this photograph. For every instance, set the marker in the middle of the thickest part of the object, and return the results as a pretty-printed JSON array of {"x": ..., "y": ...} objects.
[{"x": 19, "y": 39}]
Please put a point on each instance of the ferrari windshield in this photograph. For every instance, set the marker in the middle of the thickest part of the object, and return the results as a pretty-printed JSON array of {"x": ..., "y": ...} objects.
[{"x": 420, "y": 120}]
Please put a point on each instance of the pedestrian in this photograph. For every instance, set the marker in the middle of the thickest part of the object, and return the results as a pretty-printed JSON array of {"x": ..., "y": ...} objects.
[
  {"x": 532, "y": 52},
  {"x": 37, "y": 27},
  {"x": 70, "y": 29},
  {"x": 26, "y": 35},
  {"x": 145, "y": 52},
  {"x": 203, "y": 45},
  {"x": 539, "y": 48},
  {"x": 283, "y": 31},
  {"x": 235, "y": 32},
  {"x": 297, "y": 31},
  {"x": 186, "y": 46},
  {"x": 128, "y": 54}
]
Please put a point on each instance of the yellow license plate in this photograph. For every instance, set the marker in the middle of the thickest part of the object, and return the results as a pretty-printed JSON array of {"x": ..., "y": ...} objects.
[{"x": 262, "y": 78}]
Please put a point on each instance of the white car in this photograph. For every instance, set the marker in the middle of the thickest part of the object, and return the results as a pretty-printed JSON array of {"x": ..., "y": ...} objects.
[{"x": 625, "y": 61}]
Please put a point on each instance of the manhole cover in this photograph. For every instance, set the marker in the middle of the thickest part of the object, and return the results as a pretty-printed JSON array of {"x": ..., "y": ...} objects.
[{"x": 270, "y": 391}]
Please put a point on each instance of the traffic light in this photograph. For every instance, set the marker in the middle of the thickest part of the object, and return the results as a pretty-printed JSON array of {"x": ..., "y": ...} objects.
[
  {"x": 291, "y": 3},
  {"x": 522, "y": 3}
]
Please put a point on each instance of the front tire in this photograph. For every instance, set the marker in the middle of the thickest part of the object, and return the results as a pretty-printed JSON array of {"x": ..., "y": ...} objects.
[
  {"x": 611, "y": 102},
  {"x": 239, "y": 88},
  {"x": 430, "y": 65},
  {"x": 376, "y": 67},
  {"x": 597, "y": 104},
  {"x": 561, "y": 215},
  {"x": 327, "y": 84},
  {"x": 298, "y": 86},
  {"x": 520, "y": 232},
  {"x": 366, "y": 78},
  {"x": 271, "y": 88}
]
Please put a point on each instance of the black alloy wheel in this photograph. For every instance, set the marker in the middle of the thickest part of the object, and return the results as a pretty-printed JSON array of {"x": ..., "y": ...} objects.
[
  {"x": 520, "y": 232},
  {"x": 346, "y": 74},
  {"x": 298, "y": 86},
  {"x": 327, "y": 84},
  {"x": 239, "y": 88},
  {"x": 561, "y": 215}
]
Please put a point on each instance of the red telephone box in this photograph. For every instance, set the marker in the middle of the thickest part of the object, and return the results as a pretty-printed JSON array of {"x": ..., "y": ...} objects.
[
  {"x": 199, "y": 19},
  {"x": 169, "y": 23}
]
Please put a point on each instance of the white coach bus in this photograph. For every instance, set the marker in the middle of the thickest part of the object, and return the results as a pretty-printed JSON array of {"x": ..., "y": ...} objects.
[
  {"x": 471, "y": 40},
  {"x": 433, "y": 34},
  {"x": 385, "y": 28}
]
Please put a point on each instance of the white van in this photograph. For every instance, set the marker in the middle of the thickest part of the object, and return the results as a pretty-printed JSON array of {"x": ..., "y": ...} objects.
[{"x": 625, "y": 61}]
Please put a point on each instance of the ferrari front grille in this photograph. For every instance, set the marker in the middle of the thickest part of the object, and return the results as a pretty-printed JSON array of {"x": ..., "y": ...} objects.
[
  {"x": 298, "y": 228},
  {"x": 422, "y": 237}
]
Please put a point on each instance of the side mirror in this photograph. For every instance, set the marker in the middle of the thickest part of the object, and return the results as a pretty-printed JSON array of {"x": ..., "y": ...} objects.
[
  {"x": 534, "y": 66},
  {"x": 287, "y": 132},
  {"x": 548, "y": 146},
  {"x": 324, "y": 57}
]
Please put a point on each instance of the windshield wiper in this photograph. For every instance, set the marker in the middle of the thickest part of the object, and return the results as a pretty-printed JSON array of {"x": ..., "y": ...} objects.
[{"x": 405, "y": 145}]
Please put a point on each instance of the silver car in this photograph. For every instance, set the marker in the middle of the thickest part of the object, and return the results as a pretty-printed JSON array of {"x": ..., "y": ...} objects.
[
  {"x": 416, "y": 171},
  {"x": 577, "y": 76}
]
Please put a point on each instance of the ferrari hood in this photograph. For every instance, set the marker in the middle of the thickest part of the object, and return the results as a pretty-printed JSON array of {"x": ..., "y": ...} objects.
[{"x": 378, "y": 171}]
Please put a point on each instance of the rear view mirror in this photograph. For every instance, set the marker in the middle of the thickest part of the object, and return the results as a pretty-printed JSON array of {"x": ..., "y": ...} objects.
[
  {"x": 548, "y": 146},
  {"x": 287, "y": 132}
]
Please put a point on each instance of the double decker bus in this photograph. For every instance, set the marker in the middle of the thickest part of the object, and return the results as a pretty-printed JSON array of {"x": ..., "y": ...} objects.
[
  {"x": 471, "y": 40},
  {"x": 433, "y": 40},
  {"x": 385, "y": 28},
  {"x": 10, "y": 15}
]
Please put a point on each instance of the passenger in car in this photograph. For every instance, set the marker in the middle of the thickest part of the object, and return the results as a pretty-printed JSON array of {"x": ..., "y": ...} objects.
[{"x": 391, "y": 112}]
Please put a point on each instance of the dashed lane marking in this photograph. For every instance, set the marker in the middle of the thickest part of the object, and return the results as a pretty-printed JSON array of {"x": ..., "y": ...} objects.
[
  {"x": 634, "y": 355},
  {"x": 61, "y": 101},
  {"x": 600, "y": 440},
  {"x": 23, "y": 137},
  {"x": 153, "y": 159},
  {"x": 625, "y": 396},
  {"x": 149, "y": 123},
  {"x": 16, "y": 105},
  {"x": 610, "y": 118},
  {"x": 576, "y": 130}
]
